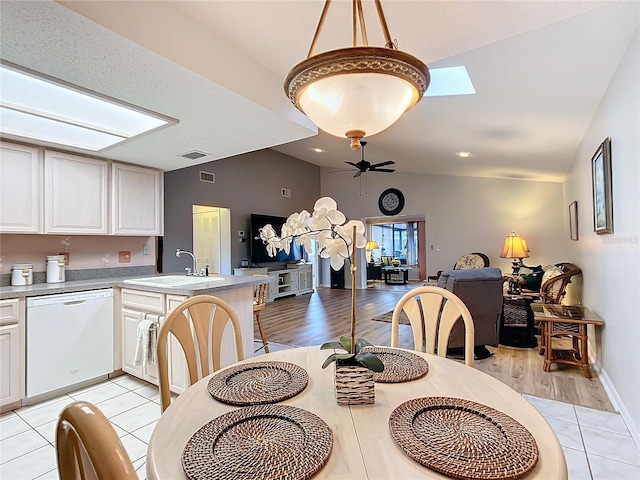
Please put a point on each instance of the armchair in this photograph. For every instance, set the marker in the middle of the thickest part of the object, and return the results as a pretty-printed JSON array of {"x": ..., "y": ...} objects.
[
  {"x": 553, "y": 282},
  {"x": 481, "y": 291}
]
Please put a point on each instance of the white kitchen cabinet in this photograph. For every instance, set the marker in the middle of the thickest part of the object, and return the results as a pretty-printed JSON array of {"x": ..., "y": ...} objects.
[
  {"x": 76, "y": 194},
  {"x": 11, "y": 353},
  {"x": 130, "y": 320},
  {"x": 136, "y": 306},
  {"x": 178, "y": 370},
  {"x": 136, "y": 200},
  {"x": 20, "y": 189}
]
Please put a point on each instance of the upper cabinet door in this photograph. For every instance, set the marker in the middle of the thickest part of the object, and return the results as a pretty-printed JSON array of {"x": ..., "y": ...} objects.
[
  {"x": 20, "y": 189},
  {"x": 137, "y": 200},
  {"x": 76, "y": 194}
]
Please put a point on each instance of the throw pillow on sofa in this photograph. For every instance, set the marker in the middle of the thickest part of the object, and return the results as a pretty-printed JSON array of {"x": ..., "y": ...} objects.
[{"x": 531, "y": 277}]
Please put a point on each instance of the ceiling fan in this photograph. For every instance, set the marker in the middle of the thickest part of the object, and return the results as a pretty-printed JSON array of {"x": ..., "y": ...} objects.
[{"x": 364, "y": 166}]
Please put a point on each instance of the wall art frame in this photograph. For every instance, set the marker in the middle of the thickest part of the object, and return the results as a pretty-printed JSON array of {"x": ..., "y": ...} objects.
[
  {"x": 573, "y": 220},
  {"x": 602, "y": 191}
]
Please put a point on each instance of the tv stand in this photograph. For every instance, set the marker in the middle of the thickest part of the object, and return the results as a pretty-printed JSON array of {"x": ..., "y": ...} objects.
[{"x": 295, "y": 280}]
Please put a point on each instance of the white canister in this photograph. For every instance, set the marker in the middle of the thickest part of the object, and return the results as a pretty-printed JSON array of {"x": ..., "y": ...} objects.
[
  {"x": 55, "y": 268},
  {"x": 22, "y": 274}
]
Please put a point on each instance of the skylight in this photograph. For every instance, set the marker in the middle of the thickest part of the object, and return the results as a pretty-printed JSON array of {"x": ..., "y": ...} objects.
[
  {"x": 449, "y": 81},
  {"x": 38, "y": 107}
]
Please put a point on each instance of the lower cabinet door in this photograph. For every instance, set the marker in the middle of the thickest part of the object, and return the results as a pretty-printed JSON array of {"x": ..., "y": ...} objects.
[
  {"x": 130, "y": 321},
  {"x": 178, "y": 371},
  {"x": 9, "y": 364}
]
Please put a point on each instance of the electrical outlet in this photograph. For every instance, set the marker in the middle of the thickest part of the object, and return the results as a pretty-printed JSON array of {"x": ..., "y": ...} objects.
[
  {"x": 124, "y": 256},
  {"x": 241, "y": 233},
  {"x": 145, "y": 249}
]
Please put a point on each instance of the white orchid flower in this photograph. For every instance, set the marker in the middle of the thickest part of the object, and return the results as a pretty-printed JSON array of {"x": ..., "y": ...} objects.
[
  {"x": 297, "y": 222},
  {"x": 337, "y": 250},
  {"x": 326, "y": 214},
  {"x": 346, "y": 231}
]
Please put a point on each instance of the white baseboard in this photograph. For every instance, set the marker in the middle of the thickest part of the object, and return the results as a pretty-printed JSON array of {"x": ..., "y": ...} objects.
[{"x": 617, "y": 402}]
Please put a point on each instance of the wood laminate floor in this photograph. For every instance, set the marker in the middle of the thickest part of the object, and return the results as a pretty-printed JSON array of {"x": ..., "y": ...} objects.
[{"x": 324, "y": 316}]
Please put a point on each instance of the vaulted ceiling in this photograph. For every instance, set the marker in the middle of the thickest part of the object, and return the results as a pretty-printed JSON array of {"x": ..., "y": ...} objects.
[{"x": 540, "y": 70}]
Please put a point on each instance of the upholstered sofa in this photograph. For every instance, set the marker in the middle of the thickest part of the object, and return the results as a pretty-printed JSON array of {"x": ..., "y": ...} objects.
[{"x": 481, "y": 291}]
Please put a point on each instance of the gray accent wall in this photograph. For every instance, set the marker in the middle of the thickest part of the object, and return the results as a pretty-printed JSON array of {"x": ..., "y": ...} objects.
[{"x": 245, "y": 184}]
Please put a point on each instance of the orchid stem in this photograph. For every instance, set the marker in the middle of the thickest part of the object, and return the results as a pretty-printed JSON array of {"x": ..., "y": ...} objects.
[{"x": 353, "y": 294}]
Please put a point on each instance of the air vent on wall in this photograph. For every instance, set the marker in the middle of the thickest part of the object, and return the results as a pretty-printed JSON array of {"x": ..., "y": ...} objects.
[
  {"x": 193, "y": 154},
  {"x": 207, "y": 177}
]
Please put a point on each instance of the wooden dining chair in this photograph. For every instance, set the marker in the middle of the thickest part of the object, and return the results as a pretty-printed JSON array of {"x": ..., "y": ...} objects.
[
  {"x": 87, "y": 446},
  {"x": 432, "y": 312},
  {"x": 198, "y": 324},
  {"x": 259, "y": 304}
]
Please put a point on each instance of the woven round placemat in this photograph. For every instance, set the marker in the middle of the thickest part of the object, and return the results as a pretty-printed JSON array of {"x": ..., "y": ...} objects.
[
  {"x": 259, "y": 442},
  {"x": 463, "y": 439},
  {"x": 399, "y": 365},
  {"x": 257, "y": 383}
]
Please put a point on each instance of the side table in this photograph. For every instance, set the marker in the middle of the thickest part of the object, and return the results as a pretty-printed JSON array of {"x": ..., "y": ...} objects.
[
  {"x": 565, "y": 321},
  {"x": 516, "y": 322}
]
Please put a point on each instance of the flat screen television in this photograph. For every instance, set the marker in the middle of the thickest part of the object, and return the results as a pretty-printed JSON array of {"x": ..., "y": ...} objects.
[{"x": 258, "y": 249}]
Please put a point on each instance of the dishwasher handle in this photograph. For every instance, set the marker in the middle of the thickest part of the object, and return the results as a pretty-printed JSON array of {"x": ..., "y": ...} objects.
[{"x": 76, "y": 302}]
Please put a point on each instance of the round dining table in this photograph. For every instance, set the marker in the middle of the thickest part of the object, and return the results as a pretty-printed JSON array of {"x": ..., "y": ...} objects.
[{"x": 362, "y": 445}]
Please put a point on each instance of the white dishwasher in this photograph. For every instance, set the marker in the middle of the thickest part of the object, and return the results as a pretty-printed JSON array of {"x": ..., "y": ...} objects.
[{"x": 69, "y": 339}]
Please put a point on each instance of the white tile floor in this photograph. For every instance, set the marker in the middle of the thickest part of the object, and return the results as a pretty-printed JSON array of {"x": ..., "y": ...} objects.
[{"x": 597, "y": 444}]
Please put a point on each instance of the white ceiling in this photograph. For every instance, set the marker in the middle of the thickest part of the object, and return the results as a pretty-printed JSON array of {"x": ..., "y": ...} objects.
[{"x": 540, "y": 69}]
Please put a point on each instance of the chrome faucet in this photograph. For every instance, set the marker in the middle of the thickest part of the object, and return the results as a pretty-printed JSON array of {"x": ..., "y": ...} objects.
[{"x": 190, "y": 272}]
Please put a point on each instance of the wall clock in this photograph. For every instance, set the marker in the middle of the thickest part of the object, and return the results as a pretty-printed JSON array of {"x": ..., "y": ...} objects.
[{"x": 391, "y": 201}]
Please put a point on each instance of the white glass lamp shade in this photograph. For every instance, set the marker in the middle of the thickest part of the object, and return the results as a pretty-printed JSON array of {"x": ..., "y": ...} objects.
[
  {"x": 357, "y": 91},
  {"x": 369, "y": 102}
]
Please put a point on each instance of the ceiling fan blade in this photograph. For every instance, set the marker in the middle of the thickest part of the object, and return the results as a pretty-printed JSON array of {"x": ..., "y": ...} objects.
[
  {"x": 385, "y": 170},
  {"x": 351, "y": 163},
  {"x": 340, "y": 170},
  {"x": 358, "y": 173},
  {"x": 382, "y": 164}
]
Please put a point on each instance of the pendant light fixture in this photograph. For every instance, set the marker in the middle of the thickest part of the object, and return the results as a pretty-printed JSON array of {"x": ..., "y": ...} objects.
[{"x": 357, "y": 91}]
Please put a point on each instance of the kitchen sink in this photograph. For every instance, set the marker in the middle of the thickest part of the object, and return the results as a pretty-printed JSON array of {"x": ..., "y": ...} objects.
[{"x": 171, "y": 281}]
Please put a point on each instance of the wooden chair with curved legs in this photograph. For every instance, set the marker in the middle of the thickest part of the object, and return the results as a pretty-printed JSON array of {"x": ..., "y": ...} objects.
[
  {"x": 87, "y": 446},
  {"x": 433, "y": 311},
  {"x": 259, "y": 304},
  {"x": 197, "y": 324}
]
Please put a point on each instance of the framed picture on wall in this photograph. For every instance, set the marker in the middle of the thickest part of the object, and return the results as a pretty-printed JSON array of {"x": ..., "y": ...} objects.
[
  {"x": 573, "y": 220},
  {"x": 602, "y": 201}
]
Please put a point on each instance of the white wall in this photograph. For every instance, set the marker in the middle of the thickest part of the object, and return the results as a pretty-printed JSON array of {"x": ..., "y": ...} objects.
[
  {"x": 611, "y": 263},
  {"x": 465, "y": 214}
]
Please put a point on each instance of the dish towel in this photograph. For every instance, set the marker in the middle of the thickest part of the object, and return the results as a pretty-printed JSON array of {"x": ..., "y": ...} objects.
[{"x": 145, "y": 347}]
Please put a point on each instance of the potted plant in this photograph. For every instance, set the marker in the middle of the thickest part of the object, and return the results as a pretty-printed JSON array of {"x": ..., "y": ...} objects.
[{"x": 335, "y": 236}]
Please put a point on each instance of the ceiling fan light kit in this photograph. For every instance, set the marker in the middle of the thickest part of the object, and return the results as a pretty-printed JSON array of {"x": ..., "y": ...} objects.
[{"x": 358, "y": 91}]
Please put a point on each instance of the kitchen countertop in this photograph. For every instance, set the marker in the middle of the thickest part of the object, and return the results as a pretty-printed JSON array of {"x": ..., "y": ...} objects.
[{"x": 229, "y": 282}]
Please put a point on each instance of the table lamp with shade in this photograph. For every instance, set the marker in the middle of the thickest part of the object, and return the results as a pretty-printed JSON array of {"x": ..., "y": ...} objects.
[
  {"x": 515, "y": 247},
  {"x": 369, "y": 247}
]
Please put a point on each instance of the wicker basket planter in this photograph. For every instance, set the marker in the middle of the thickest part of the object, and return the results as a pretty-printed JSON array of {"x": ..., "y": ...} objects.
[{"x": 354, "y": 385}]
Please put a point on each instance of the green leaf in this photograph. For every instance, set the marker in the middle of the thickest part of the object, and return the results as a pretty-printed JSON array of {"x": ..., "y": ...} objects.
[
  {"x": 336, "y": 356},
  {"x": 361, "y": 343},
  {"x": 346, "y": 343},
  {"x": 328, "y": 345},
  {"x": 370, "y": 361}
]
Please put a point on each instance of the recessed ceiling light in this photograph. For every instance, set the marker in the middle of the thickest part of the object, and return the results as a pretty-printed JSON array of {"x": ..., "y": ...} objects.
[
  {"x": 38, "y": 107},
  {"x": 449, "y": 81},
  {"x": 463, "y": 154},
  {"x": 317, "y": 150}
]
